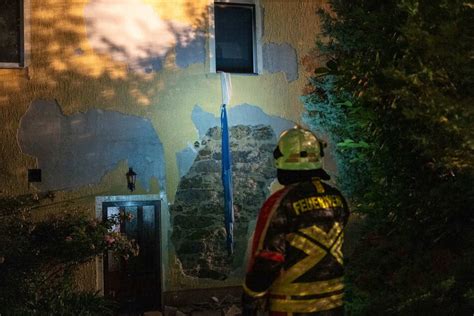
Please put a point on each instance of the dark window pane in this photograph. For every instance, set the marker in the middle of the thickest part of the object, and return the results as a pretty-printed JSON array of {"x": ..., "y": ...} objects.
[
  {"x": 10, "y": 28},
  {"x": 234, "y": 37}
]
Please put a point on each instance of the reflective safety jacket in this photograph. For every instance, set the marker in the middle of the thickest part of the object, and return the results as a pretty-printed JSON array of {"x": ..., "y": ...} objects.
[{"x": 296, "y": 261}]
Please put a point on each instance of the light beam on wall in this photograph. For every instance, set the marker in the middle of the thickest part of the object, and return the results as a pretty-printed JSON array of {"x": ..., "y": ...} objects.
[{"x": 133, "y": 32}]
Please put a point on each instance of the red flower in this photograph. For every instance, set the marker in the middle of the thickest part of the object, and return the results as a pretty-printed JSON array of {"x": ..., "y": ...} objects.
[{"x": 109, "y": 239}]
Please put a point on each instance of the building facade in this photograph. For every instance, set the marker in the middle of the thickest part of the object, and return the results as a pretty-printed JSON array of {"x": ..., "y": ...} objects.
[{"x": 96, "y": 87}]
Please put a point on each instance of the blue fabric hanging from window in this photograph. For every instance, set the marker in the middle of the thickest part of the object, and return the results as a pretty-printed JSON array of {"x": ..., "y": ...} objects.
[
  {"x": 227, "y": 165},
  {"x": 227, "y": 182}
]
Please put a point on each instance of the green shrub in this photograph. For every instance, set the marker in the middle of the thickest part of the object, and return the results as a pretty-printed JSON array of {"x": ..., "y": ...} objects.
[
  {"x": 396, "y": 97},
  {"x": 38, "y": 261}
]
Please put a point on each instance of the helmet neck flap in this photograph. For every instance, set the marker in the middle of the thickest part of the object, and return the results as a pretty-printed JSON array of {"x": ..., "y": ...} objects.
[{"x": 286, "y": 177}]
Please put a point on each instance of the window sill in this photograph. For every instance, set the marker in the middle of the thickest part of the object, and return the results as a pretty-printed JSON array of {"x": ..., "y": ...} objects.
[
  {"x": 12, "y": 66},
  {"x": 238, "y": 73}
]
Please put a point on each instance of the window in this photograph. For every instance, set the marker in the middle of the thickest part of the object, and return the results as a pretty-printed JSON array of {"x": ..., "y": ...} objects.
[
  {"x": 235, "y": 34},
  {"x": 12, "y": 33}
]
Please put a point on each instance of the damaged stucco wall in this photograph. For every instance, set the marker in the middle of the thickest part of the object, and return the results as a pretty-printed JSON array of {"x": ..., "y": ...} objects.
[
  {"x": 93, "y": 143},
  {"x": 242, "y": 114},
  {"x": 197, "y": 215},
  {"x": 113, "y": 84},
  {"x": 197, "y": 211}
]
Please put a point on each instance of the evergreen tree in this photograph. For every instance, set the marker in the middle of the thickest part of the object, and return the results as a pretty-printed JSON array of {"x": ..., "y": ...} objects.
[{"x": 396, "y": 97}]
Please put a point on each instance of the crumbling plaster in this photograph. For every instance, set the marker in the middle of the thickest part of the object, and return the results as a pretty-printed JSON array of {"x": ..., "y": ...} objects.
[
  {"x": 78, "y": 150},
  {"x": 66, "y": 68}
]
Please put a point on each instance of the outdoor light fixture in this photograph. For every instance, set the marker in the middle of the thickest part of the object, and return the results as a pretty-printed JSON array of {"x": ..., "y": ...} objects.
[{"x": 131, "y": 178}]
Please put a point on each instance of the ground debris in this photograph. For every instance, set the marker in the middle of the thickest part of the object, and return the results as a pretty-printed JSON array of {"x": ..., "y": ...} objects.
[
  {"x": 205, "y": 302},
  {"x": 232, "y": 311},
  {"x": 227, "y": 306}
]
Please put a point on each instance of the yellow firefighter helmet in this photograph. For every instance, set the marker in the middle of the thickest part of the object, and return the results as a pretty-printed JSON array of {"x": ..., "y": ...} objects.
[{"x": 298, "y": 149}]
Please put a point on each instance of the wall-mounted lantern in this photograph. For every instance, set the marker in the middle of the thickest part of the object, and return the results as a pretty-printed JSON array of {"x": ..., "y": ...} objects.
[{"x": 131, "y": 178}]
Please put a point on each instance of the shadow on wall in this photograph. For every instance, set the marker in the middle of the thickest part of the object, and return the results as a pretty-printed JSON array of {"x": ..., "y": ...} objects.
[
  {"x": 86, "y": 56},
  {"x": 67, "y": 67},
  {"x": 146, "y": 37}
]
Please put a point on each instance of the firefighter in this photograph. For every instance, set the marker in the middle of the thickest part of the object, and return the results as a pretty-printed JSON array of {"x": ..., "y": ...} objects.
[{"x": 296, "y": 265}]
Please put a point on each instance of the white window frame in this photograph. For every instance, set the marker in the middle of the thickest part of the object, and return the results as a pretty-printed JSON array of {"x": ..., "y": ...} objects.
[
  {"x": 24, "y": 38},
  {"x": 257, "y": 36}
]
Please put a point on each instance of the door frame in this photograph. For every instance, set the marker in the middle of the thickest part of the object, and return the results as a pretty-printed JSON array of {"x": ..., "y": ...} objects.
[{"x": 120, "y": 200}]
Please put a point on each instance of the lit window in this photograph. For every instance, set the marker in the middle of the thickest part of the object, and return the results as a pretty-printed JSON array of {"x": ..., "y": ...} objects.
[
  {"x": 12, "y": 33},
  {"x": 234, "y": 39}
]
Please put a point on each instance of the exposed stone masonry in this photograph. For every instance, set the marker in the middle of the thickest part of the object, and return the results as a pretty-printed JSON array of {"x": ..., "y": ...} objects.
[{"x": 198, "y": 211}]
